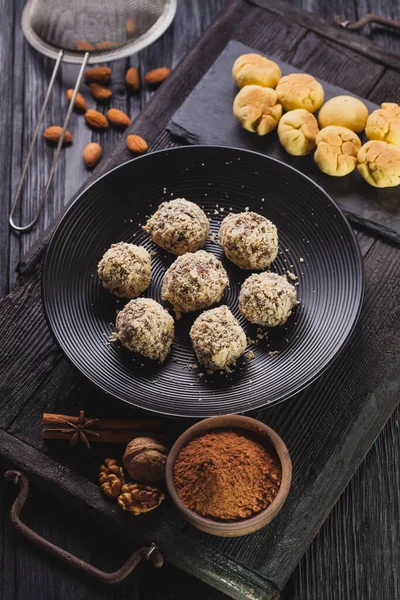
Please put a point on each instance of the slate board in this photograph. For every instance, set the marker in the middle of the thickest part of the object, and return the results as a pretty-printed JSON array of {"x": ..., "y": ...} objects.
[
  {"x": 328, "y": 428},
  {"x": 206, "y": 118}
]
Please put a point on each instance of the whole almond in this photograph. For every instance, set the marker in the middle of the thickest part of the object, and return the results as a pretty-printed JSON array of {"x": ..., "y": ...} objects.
[
  {"x": 100, "y": 75},
  {"x": 80, "y": 102},
  {"x": 132, "y": 79},
  {"x": 118, "y": 118},
  {"x": 136, "y": 144},
  {"x": 83, "y": 45},
  {"x": 100, "y": 92},
  {"x": 92, "y": 154},
  {"x": 106, "y": 45},
  {"x": 130, "y": 27},
  {"x": 53, "y": 134},
  {"x": 96, "y": 119},
  {"x": 157, "y": 75}
]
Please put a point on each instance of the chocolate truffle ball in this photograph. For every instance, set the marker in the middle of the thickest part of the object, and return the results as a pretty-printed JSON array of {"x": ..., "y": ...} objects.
[
  {"x": 299, "y": 90},
  {"x": 379, "y": 164},
  {"x": 337, "y": 149},
  {"x": 144, "y": 326},
  {"x": 194, "y": 281},
  {"x": 253, "y": 69},
  {"x": 178, "y": 226},
  {"x": 267, "y": 299},
  {"x": 297, "y": 131},
  {"x": 217, "y": 338},
  {"x": 125, "y": 270},
  {"x": 257, "y": 109},
  {"x": 249, "y": 240},
  {"x": 344, "y": 111}
]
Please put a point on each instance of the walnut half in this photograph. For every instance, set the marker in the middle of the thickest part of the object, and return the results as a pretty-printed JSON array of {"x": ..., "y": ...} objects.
[
  {"x": 139, "y": 498},
  {"x": 111, "y": 478}
]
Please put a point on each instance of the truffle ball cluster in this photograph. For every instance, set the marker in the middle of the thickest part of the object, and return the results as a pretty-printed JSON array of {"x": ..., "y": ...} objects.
[
  {"x": 178, "y": 226},
  {"x": 125, "y": 270},
  {"x": 267, "y": 299},
  {"x": 249, "y": 240},
  {"x": 194, "y": 281},
  {"x": 144, "y": 326},
  {"x": 217, "y": 338}
]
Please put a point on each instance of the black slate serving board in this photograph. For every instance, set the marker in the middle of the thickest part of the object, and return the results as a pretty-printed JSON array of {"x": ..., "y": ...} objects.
[
  {"x": 328, "y": 428},
  {"x": 206, "y": 118}
]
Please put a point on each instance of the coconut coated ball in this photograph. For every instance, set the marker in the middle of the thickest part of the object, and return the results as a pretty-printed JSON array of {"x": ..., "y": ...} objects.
[
  {"x": 249, "y": 240},
  {"x": 379, "y": 164},
  {"x": 257, "y": 109},
  {"x": 125, "y": 270},
  {"x": 297, "y": 131},
  {"x": 344, "y": 111},
  {"x": 300, "y": 90},
  {"x": 384, "y": 124},
  {"x": 253, "y": 69},
  {"x": 267, "y": 299},
  {"x": 337, "y": 149},
  {"x": 194, "y": 281},
  {"x": 178, "y": 226},
  {"x": 144, "y": 326},
  {"x": 217, "y": 338}
]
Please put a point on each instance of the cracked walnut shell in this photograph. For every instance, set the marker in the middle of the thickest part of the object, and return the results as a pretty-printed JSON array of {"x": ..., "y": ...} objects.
[
  {"x": 253, "y": 69},
  {"x": 139, "y": 498},
  {"x": 379, "y": 164},
  {"x": 297, "y": 131},
  {"x": 337, "y": 149},
  {"x": 145, "y": 459},
  {"x": 257, "y": 109},
  {"x": 299, "y": 90},
  {"x": 111, "y": 478},
  {"x": 384, "y": 124}
]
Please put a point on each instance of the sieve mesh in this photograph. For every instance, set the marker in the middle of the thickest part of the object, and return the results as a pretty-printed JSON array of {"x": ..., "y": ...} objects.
[{"x": 117, "y": 27}]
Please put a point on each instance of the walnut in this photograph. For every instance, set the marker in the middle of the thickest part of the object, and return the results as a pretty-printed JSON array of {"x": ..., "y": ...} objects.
[
  {"x": 111, "y": 478},
  {"x": 145, "y": 459},
  {"x": 139, "y": 498}
]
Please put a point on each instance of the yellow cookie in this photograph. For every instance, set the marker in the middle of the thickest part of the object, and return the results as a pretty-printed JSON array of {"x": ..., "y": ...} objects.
[
  {"x": 379, "y": 164},
  {"x": 257, "y": 109},
  {"x": 384, "y": 124},
  {"x": 344, "y": 111},
  {"x": 297, "y": 131},
  {"x": 253, "y": 69},
  {"x": 337, "y": 149},
  {"x": 300, "y": 90}
]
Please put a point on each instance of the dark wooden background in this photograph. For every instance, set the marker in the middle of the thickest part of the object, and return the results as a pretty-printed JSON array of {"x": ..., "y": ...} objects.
[{"x": 355, "y": 555}]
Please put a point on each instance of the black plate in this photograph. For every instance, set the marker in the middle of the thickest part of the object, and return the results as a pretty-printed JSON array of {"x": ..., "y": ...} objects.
[{"x": 311, "y": 227}]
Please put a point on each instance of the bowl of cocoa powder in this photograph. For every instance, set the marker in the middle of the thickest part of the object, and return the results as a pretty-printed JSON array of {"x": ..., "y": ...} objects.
[{"x": 229, "y": 475}]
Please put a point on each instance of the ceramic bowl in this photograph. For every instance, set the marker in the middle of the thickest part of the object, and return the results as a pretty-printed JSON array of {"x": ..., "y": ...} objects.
[{"x": 247, "y": 426}]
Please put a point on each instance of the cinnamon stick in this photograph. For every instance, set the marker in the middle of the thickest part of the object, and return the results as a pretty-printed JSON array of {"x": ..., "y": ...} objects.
[
  {"x": 122, "y": 436},
  {"x": 105, "y": 424}
]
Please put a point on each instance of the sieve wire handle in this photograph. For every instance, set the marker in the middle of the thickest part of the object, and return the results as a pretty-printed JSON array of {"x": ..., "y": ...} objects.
[{"x": 29, "y": 226}]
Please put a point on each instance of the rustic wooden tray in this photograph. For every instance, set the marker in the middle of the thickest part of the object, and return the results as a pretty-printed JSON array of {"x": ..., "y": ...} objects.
[{"x": 328, "y": 428}]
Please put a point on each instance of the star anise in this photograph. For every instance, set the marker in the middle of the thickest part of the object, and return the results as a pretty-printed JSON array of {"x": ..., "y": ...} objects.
[{"x": 81, "y": 431}]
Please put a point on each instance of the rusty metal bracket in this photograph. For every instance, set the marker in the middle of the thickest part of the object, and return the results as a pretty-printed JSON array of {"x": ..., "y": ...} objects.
[
  {"x": 366, "y": 20},
  {"x": 146, "y": 552}
]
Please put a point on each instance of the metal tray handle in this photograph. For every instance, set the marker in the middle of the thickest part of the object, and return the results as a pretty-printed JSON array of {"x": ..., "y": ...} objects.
[{"x": 146, "y": 552}]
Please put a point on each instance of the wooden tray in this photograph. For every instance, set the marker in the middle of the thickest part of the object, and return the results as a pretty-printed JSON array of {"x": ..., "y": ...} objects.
[{"x": 328, "y": 428}]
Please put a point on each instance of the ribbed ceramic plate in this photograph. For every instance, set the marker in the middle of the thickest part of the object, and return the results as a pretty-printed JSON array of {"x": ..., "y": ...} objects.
[{"x": 316, "y": 244}]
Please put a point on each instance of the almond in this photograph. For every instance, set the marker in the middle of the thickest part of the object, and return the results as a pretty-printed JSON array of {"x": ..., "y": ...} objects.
[
  {"x": 118, "y": 118},
  {"x": 80, "y": 102},
  {"x": 136, "y": 144},
  {"x": 100, "y": 75},
  {"x": 92, "y": 154},
  {"x": 53, "y": 134},
  {"x": 132, "y": 79},
  {"x": 83, "y": 45},
  {"x": 130, "y": 27},
  {"x": 157, "y": 75},
  {"x": 106, "y": 45},
  {"x": 96, "y": 119},
  {"x": 100, "y": 92}
]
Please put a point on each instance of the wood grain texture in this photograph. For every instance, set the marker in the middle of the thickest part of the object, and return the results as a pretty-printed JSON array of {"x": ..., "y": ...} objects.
[{"x": 362, "y": 522}]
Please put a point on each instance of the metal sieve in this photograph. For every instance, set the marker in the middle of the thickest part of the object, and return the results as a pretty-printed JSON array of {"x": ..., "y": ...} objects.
[{"x": 85, "y": 32}]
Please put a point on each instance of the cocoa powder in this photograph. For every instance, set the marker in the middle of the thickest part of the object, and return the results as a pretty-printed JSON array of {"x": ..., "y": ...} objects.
[{"x": 226, "y": 476}]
